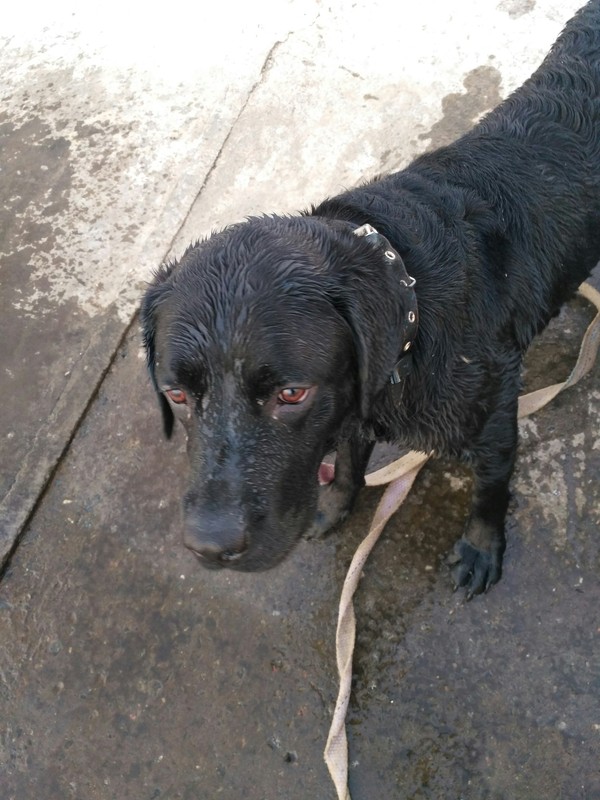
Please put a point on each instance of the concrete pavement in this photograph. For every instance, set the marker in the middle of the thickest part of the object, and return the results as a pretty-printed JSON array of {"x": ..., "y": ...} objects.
[{"x": 126, "y": 671}]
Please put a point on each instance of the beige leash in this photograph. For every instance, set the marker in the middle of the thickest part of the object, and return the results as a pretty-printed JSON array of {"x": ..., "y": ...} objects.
[{"x": 400, "y": 476}]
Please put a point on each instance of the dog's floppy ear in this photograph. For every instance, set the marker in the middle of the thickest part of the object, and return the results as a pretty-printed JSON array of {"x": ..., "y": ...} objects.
[
  {"x": 376, "y": 297},
  {"x": 374, "y": 330},
  {"x": 155, "y": 295}
]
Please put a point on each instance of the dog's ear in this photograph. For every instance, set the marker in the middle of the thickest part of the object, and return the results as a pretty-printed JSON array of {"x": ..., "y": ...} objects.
[
  {"x": 154, "y": 297},
  {"x": 376, "y": 345},
  {"x": 382, "y": 316}
]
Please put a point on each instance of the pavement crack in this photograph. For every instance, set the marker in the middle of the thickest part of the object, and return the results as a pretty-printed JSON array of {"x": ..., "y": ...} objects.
[
  {"x": 263, "y": 72},
  {"x": 19, "y": 504}
]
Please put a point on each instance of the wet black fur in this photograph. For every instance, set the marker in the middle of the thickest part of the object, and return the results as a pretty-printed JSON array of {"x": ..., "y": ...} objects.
[{"x": 498, "y": 229}]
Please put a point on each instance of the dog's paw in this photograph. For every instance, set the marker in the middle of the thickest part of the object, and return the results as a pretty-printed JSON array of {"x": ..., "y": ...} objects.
[
  {"x": 323, "y": 525},
  {"x": 334, "y": 506},
  {"x": 476, "y": 570}
]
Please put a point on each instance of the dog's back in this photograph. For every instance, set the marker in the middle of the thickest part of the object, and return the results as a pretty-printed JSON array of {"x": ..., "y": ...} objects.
[
  {"x": 564, "y": 89},
  {"x": 551, "y": 129}
]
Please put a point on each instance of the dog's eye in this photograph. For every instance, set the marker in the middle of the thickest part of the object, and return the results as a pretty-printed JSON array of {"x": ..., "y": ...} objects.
[
  {"x": 292, "y": 395},
  {"x": 177, "y": 396}
]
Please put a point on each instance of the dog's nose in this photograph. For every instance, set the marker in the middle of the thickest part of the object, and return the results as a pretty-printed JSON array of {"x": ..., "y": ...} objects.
[{"x": 213, "y": 546}]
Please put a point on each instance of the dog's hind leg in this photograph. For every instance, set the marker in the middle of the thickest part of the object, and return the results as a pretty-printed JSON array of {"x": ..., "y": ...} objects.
[{"x": 476, "y": 562}]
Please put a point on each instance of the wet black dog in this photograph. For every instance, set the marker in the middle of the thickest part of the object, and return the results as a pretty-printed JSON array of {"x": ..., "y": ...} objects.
[{"x": 281, "y": 339}]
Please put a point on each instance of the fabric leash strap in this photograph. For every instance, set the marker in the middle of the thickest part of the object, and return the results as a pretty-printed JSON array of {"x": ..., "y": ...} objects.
[{"x": 400, "y": 476}]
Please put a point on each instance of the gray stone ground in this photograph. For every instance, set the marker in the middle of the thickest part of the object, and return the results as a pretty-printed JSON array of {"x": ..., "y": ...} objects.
[{"x": 126, "y": 671}]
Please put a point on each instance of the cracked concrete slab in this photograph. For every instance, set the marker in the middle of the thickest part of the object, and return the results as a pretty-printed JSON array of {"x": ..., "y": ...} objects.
[
  {"x": 110, "y": 124},
  {"x": 126, "y": 670},
  {"x": 362, "y": 91}
]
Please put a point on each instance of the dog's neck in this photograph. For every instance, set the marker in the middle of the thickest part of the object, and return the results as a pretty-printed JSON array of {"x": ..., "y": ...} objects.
[{"x": 403, "y": 366}]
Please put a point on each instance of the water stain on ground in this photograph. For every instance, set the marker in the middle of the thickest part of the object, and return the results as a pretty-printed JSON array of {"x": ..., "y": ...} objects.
[
  {"x": 461, "y": 110},
  {"x": 52, "y": 356}
]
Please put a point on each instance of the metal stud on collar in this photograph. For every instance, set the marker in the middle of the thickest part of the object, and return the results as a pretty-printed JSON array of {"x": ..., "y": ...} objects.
[
  {"x": 368, "y": 230},
  {"x": 365, "y": 230}
]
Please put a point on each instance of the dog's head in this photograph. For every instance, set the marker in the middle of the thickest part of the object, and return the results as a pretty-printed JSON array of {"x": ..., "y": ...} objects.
[{"x": 267, "y": 341}]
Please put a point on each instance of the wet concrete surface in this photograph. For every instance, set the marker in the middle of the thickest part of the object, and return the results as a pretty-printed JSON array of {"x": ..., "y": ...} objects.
[
  {"x": 53, "y": 353},
  {"x": 128, "y": 671}
]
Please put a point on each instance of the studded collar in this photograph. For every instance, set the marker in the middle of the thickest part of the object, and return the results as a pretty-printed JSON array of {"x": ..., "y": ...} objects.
[{"x": 409, "y": 328}]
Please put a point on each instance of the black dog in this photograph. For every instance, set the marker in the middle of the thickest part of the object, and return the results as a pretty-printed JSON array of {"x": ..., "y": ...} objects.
[{"x": 281, "y": 339}]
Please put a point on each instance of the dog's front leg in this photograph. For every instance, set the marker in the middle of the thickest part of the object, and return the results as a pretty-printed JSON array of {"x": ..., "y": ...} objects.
[
  {"x": 476, "y": 561},
  {"x": 336, "y": 499}
]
